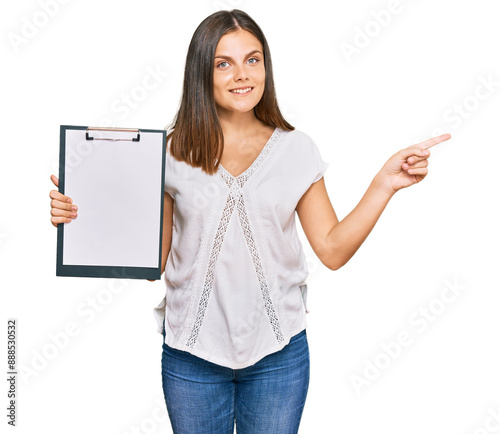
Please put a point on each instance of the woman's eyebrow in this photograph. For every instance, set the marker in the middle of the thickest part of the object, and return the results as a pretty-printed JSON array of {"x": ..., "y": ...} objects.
[{"x": 221, "y": 56}]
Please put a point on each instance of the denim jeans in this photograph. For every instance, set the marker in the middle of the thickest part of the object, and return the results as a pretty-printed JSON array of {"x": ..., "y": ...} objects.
[{"x": 265, "y": 398}]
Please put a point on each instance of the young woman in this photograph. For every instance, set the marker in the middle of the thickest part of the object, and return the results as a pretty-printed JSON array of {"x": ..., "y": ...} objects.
[{"x": 233, "y": 319}]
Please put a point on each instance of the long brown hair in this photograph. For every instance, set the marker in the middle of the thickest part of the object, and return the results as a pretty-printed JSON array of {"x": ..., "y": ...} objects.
[{"x": 197, "y": 137}]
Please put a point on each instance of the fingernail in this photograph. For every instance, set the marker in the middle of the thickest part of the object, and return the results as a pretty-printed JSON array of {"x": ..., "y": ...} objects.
[{"x": 74, "y": 208}]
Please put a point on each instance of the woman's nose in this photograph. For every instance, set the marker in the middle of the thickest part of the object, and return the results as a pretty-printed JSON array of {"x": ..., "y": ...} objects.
[{"x": 240, "y": 73}]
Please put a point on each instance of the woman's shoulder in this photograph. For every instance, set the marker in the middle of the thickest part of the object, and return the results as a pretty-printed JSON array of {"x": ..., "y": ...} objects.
[
  {"x": 299, "y": 135},
  {"x": 300, "y": 139},
  {"x": 302, "y": 146}
]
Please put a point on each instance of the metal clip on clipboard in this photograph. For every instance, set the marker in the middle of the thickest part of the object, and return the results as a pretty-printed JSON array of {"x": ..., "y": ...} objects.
[{"x": 128, "y": 130}]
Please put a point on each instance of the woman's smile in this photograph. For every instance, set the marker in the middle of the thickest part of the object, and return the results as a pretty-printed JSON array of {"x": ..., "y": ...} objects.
[{"x": 241, "y": 90}]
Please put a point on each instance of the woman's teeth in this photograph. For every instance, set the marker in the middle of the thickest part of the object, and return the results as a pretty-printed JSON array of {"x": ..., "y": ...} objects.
[{"x": 241, "y": 90}]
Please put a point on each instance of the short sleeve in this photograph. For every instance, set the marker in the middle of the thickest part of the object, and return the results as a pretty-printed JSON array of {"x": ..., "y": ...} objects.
[
  {"x": 318, "y": 165},
  {"x": 323, "y": 165}
]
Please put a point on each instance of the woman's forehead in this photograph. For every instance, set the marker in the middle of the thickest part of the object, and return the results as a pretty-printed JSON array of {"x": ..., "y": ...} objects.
[{"x": 236, "y": 41}]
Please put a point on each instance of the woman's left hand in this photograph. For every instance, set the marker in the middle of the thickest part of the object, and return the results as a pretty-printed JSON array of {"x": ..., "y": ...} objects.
[{"x": 408, "y": 166}]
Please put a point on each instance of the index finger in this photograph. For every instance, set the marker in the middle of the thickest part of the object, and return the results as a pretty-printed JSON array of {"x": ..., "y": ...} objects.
[
  {"x": 54, "y": 194},
  {"x": 429, "y": 143}
]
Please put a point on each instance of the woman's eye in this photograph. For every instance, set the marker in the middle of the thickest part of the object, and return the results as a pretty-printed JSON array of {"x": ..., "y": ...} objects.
[{"x": 252, "y": 61}]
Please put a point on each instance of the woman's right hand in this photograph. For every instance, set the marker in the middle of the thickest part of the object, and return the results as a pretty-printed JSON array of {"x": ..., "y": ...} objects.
[{"x": 63, "y": 209}]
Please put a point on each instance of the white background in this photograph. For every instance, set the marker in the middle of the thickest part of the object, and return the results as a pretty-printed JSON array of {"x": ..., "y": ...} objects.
[{"x": 419, "y": 74}]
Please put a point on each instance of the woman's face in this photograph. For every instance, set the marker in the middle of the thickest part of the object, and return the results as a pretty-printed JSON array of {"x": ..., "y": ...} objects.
[{"x": 239, "y": 73}]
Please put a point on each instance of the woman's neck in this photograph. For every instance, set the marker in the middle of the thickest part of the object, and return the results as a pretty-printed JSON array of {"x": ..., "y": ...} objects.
[{"x": 239, "y": 125}]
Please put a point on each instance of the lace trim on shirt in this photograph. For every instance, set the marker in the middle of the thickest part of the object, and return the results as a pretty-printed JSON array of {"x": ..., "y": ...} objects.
[
  {"x": 268, "y": 304},
  {"x": 209, "y": 278},
  {"x": 235, "y": 199}
]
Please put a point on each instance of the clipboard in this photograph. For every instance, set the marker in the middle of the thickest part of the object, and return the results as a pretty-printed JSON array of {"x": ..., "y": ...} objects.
[{"x": 116, "y": 178}]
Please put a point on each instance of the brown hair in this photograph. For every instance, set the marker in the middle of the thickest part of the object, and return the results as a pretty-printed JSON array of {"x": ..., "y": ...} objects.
[{"x": 197, "y": 137}]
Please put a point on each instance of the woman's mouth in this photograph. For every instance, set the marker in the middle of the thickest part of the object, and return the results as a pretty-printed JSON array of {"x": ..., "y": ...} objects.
[{"x": 242, "y": 91}]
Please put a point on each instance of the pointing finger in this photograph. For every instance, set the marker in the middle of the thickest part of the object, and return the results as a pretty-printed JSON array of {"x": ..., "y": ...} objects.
[{"x": 433, "y": 141}]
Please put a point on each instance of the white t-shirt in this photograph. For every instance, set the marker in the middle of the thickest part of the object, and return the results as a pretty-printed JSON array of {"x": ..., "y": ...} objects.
[{"x": 235, "y": 274}]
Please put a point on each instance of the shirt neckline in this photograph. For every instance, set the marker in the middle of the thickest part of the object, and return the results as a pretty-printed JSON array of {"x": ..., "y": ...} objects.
[{"x": 255, "y": 162}]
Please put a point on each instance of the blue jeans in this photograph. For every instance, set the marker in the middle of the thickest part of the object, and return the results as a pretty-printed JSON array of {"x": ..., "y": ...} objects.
[{"x": 265, "y": 398}]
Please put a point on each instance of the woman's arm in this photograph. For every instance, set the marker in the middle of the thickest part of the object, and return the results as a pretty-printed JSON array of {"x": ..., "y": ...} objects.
[
  {"x": 336, "y": 242},
  {"x": 168, "y": 211}
]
